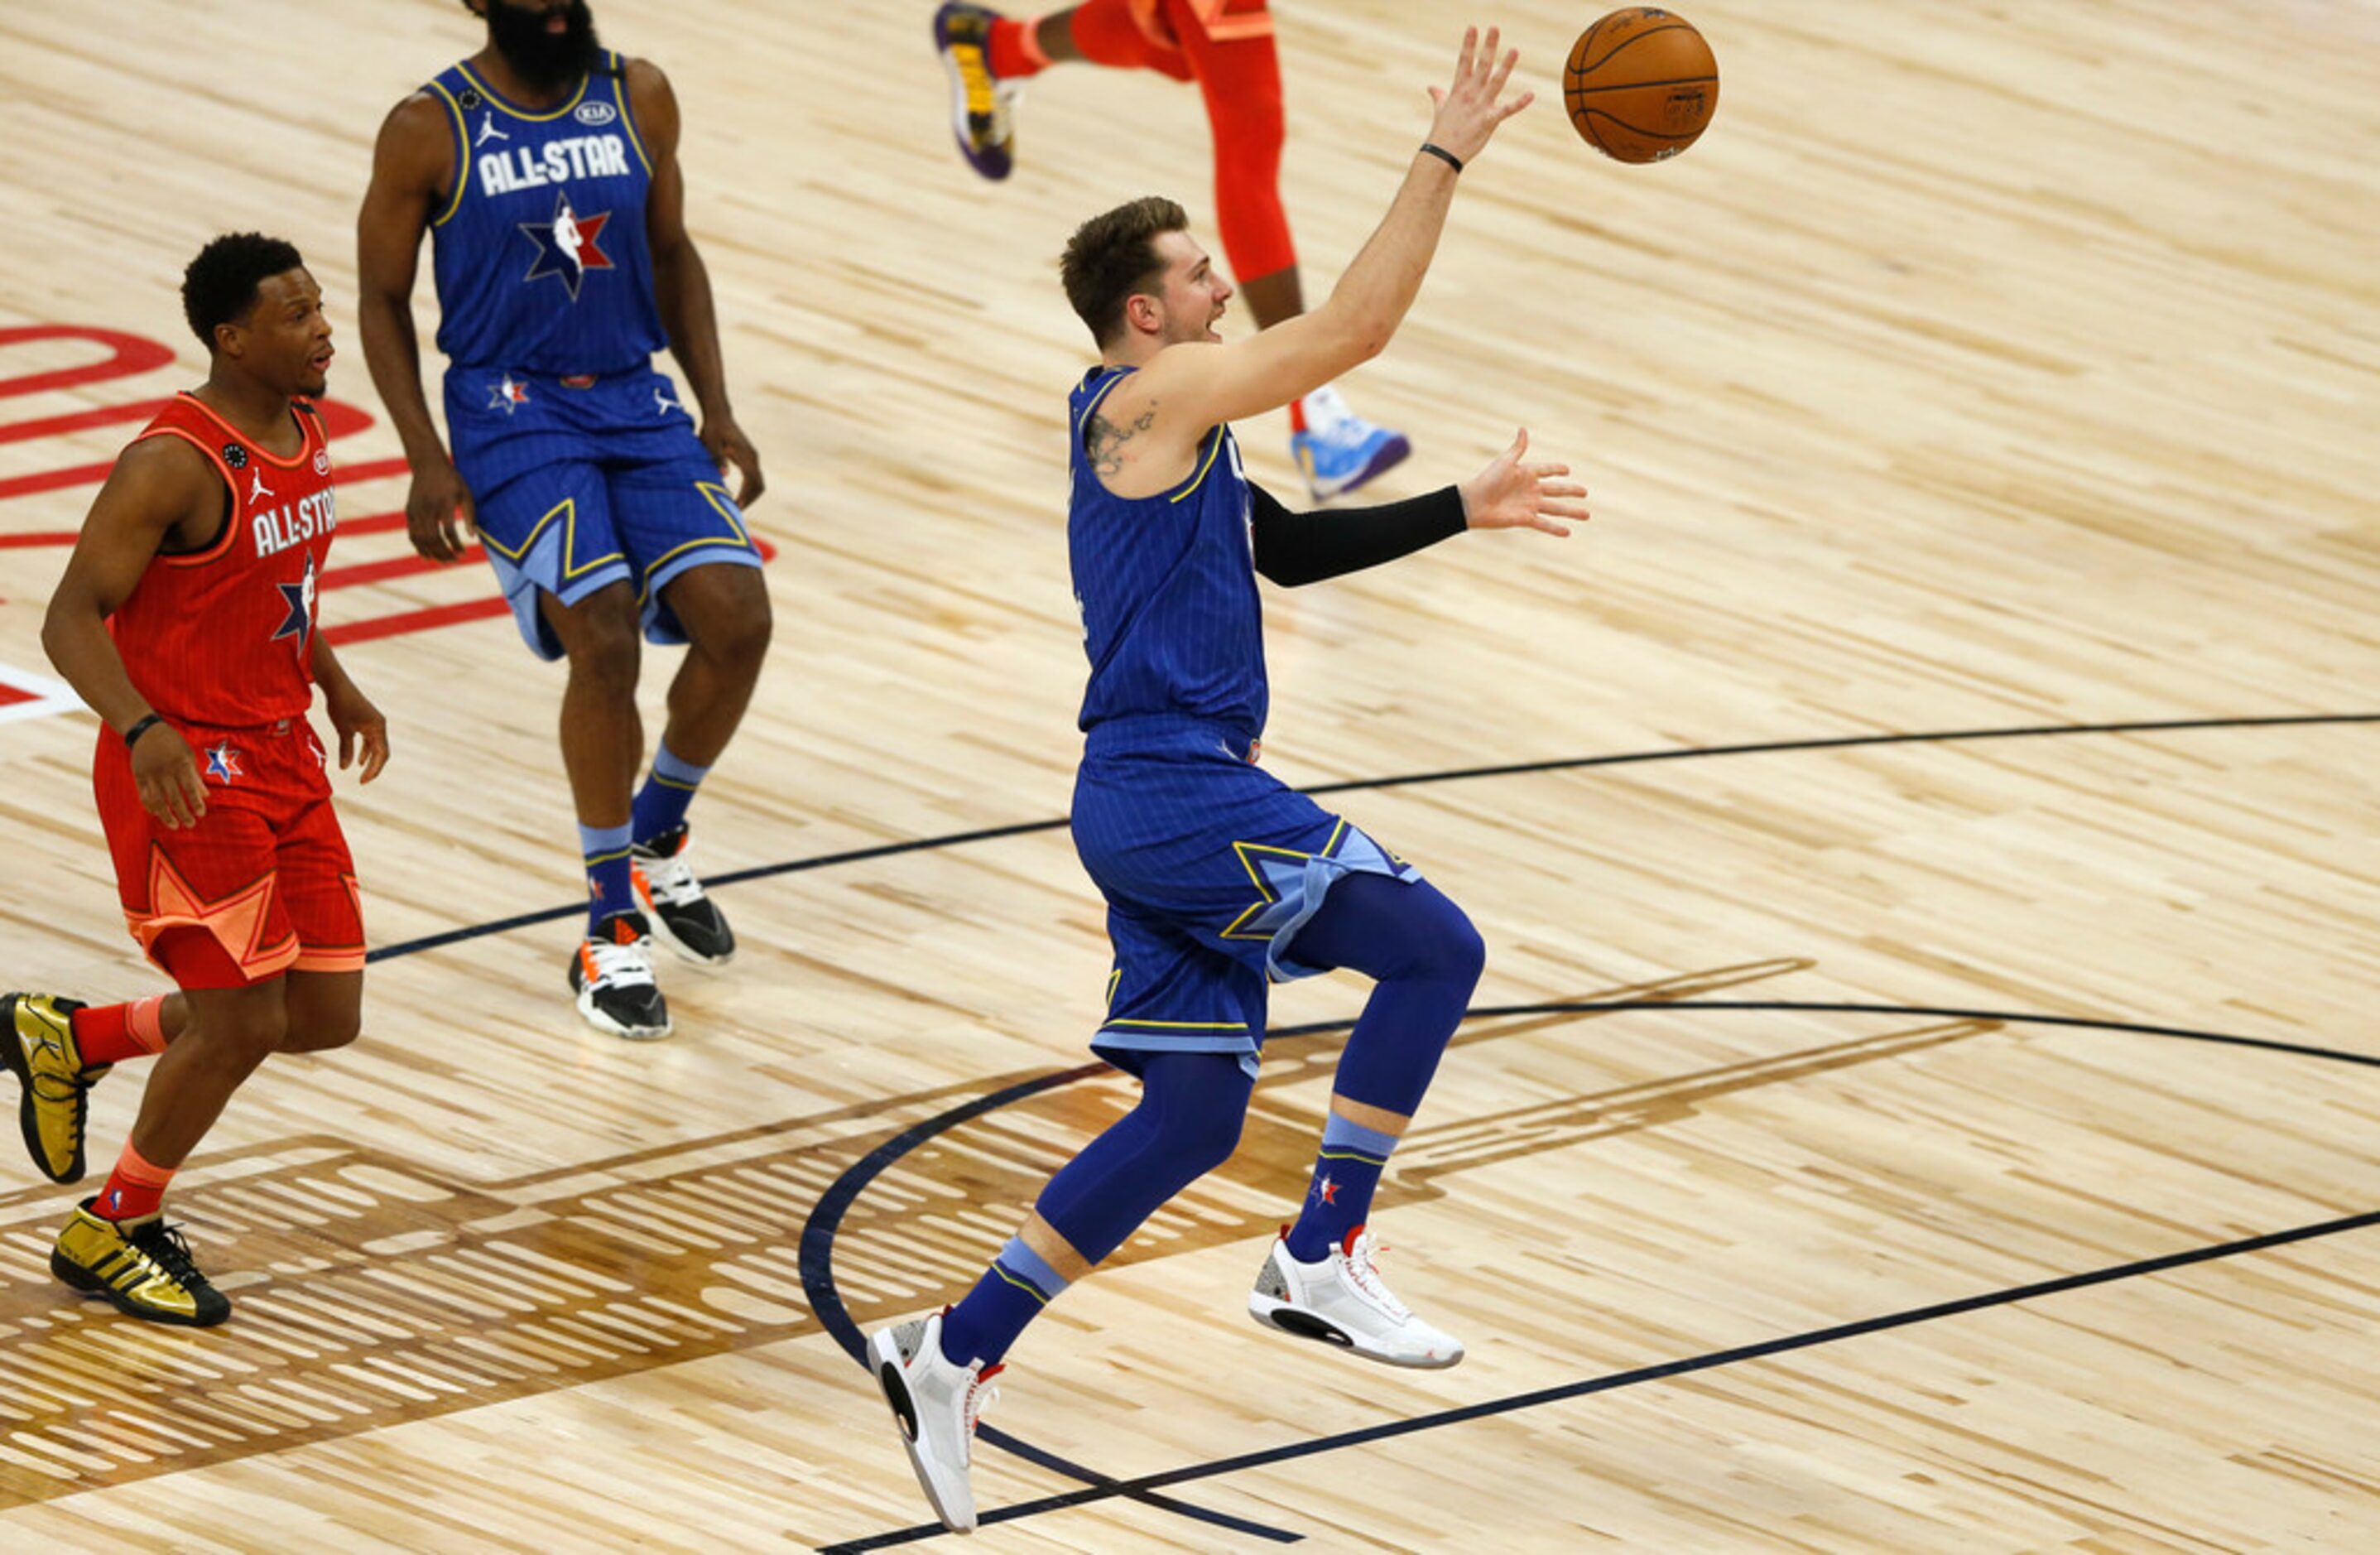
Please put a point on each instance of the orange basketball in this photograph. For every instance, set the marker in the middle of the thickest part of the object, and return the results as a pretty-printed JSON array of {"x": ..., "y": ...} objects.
[{"x": 1641, "y": 84}]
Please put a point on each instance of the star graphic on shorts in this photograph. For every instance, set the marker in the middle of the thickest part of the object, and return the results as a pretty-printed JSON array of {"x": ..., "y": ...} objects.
[
  {"x": 223, "y": 762},
  {"x": 568, "y": 246},
  {"x": 299, "y": 597},
  {"x": 508, "y": 395}
]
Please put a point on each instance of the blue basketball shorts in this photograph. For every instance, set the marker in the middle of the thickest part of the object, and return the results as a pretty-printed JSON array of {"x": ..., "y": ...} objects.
[
  {"x": 1211, "y": 865},
  {"x": 585, "y": 481}
]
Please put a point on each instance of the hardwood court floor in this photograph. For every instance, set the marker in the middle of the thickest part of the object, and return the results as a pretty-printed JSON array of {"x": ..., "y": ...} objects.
[{"x": 1981, "y": 425}]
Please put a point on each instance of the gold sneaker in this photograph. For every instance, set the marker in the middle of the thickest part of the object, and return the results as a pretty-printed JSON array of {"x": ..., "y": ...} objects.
[
  {"x": 40, "y": 1046},
  {"x": 143, "y": 1266}
]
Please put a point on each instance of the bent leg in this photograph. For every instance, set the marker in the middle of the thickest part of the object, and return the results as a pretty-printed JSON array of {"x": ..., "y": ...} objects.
[
  {"x": 1186, "y": 1124},
  {"x": 1428, "y": 958}
]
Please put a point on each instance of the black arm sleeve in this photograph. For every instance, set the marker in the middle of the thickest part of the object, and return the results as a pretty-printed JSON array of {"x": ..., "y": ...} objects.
[{"x": 1298, "y": 548}]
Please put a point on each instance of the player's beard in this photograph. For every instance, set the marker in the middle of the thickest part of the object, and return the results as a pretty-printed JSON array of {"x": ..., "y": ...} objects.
[{"x": 547, "y": 60}]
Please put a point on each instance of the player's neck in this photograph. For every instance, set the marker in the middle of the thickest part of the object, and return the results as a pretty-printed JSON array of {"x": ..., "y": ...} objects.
[
  {"x": 490, "y": 66},
  {"x": 260, "y": 413}
]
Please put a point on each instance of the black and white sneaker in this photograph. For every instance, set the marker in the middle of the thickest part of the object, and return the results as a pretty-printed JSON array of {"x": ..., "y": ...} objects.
[
  {"x": 683, "y": 918},
  {"x": 613, "y": 975},
  {"x": 935, "y": 1402}
]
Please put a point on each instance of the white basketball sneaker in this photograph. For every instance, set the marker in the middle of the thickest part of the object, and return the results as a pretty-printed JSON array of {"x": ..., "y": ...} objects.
[
  {"x": 1341, "y": 1299},
  {"x": 935, "y": 1402}
]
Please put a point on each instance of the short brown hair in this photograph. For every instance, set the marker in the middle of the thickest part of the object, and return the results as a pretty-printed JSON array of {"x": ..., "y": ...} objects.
[{"x": 1113, "y": 256}]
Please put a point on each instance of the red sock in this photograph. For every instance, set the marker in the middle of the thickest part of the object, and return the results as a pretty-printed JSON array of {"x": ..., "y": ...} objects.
[
  {"x": 1016, "y": 48},
  {"x": 1297, "y": 414},
  {"x": 135, "y": 1189},
  {"x": 111, "y": 1033}
]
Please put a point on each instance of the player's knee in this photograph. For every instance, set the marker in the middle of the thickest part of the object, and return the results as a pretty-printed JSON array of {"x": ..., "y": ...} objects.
[
  {"x": 1204, "y": 1140},
  {"x": 322, "y": 1033},
  {"x": 1447, "y": 948},
  {"x": 736, "y": 630},
  {"x": 603, "y": 645},
  {"x": 251, "y": 1034}
]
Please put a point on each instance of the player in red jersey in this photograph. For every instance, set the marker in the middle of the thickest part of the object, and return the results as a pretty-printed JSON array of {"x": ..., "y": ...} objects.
[
  {"x": 185, "y": 619},
  {"x": 1226, "y": 46}
]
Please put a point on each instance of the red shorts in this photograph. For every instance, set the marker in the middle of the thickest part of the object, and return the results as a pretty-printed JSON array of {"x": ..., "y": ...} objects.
[{"x": 263, "y": 884}]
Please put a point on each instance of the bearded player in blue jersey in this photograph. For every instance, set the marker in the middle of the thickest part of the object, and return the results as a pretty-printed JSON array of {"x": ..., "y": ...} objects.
[
  {"x": 1217, "y": 877},
  {"x": 544, "y": 168}
]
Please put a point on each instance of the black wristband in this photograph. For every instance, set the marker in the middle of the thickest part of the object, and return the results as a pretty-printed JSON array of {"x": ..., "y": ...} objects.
[
  {"x": 140, "y": 727},
  {"x": 1431, "y": 149}
]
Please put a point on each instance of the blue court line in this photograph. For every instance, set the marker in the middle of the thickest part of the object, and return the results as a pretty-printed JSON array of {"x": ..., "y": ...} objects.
[
  {"x": 991, "y": 833},
  {"x": 1143, "y": 1486}
]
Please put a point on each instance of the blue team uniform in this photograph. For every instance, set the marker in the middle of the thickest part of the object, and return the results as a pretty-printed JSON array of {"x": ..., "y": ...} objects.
[
  {"x": 1209, "y": 864},
  {"x": 582, "y": 462}
]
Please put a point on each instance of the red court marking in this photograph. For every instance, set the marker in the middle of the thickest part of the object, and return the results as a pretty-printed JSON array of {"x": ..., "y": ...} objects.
[
  {"x": 414, "y": 621},
  {"x": 11, "y": 695},
  {"x": 396, "y": 567},
  {"x": 127, "y": 356}
]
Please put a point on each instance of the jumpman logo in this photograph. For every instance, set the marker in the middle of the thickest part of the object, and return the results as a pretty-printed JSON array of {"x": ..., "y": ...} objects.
[
  {"x": 258, "y": 491},
  {"x": 487, "y": 131},
  {"x": 663, "y": 405}
]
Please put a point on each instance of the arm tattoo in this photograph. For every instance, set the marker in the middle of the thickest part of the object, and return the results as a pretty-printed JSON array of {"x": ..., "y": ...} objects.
[{"x": 1104, "y": 442}]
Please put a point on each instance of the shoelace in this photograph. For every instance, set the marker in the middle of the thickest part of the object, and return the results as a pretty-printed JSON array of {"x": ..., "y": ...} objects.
[
  {"x": 671, "y": 879},
  {"x": 1364, "y": 1269},
  {"x": 978, "y": 1397},
  {"x": 167, "y": 1248},
  {"x": 1003, "y": 113},
  {"x": 621, "y": 966}
]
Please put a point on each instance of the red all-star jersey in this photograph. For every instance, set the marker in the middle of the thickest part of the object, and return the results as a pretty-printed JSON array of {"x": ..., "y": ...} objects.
[{"x": 224, "y": 637}]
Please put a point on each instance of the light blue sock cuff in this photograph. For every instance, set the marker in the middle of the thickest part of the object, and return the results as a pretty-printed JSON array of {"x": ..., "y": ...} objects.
[
  {"x": 596, "y": 844},
  {"x": 1020, "y": 1262},
  {"x": 668, "y": 769},
  {"x": 1354, "y": 1138}
]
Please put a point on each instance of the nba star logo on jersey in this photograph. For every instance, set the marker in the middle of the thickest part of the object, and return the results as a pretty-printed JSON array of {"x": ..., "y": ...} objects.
[{"x": 568, "y": 244}]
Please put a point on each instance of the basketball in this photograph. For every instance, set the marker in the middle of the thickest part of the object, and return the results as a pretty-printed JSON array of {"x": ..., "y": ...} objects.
[{"x": 1641, "y": 84}]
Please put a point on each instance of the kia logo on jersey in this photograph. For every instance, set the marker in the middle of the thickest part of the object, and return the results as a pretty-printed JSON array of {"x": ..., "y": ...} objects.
[{"x": 595, "y": 113}]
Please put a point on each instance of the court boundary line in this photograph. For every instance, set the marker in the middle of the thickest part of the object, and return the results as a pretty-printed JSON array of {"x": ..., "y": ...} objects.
[{"x": 816, "y": 1241}]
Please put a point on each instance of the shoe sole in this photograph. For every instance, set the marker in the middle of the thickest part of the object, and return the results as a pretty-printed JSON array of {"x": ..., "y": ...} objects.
[
  {"x": 959, "y": 111},
  {"x": 886, "y": 1358},
  {"x": 609, "y": 1026},
  {"x": 1284, "y": 1317},
  {"x": 83, "y": 1282},
  {"x": 678, "y": 947},
  {"x": 29, "y": 1120}
]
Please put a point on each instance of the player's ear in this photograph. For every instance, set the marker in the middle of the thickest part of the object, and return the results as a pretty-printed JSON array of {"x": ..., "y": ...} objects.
[
  {"x": 231, "y": 340},
  {"x": 1143, "y": 311}
]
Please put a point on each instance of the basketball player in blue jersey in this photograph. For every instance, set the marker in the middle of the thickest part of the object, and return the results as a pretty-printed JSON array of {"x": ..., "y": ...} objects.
[
  {"x": 1219, "y": 877},
  {"x": 545, "y": 170}
]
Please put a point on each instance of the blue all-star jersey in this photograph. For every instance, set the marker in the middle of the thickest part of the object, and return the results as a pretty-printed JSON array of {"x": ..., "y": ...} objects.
[
  {"x": 540, "y": 249},
  {"x": 1167, "y": 587}
]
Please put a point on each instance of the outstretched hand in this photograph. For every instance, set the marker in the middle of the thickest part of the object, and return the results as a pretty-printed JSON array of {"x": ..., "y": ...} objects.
[
  {"x": 1510, "y": 494},
  {"x": 1468, "y": 111}
]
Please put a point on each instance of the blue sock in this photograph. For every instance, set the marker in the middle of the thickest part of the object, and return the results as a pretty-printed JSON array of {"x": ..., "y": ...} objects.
[
  {"x": 1339, "y": 1199},
  {"x": 668, "y": 790},
  {"x": 1011, "y": 1293},
  {"x": 605, "y": 849}
]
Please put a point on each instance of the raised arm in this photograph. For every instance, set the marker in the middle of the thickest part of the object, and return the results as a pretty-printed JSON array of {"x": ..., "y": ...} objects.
[
  {"x": 1196, "y": 386},
  {"x": 413, "y": 166},
  {"x": 682, "y": 284},
  {"x": 161, "y": 486}
]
